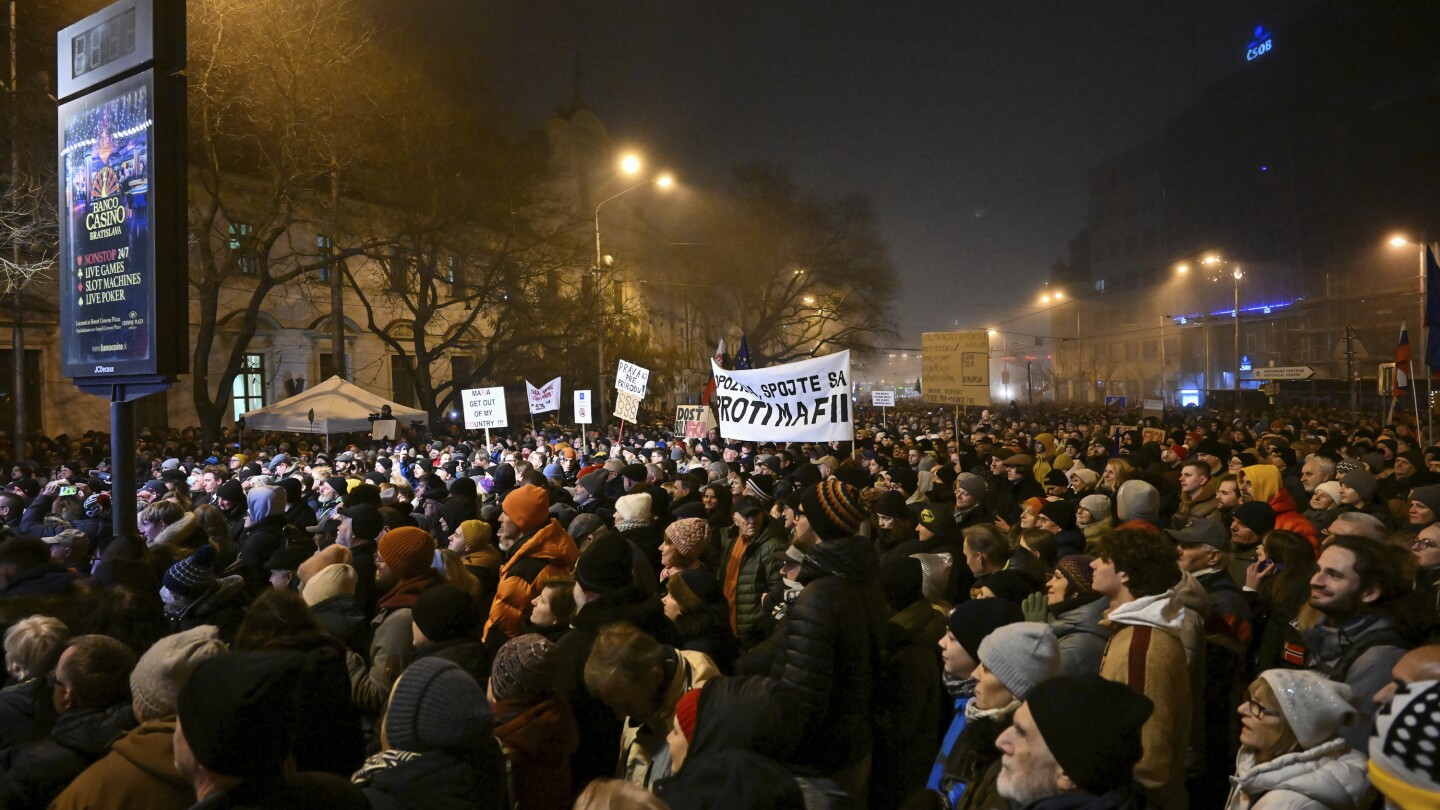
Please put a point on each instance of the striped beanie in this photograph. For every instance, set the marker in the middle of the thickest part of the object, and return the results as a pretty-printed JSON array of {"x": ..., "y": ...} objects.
[
  {"x": 833, "y": 509},
  {"x": 194, "y": 575}
]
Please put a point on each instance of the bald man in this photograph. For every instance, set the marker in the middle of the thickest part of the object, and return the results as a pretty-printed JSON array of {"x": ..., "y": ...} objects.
[{"x": 1420, "y": 664}]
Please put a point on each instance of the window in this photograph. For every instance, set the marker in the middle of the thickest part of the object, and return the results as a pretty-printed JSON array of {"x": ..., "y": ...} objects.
[
  {"x": 1100, "y": 285},
  {"x": 402, "y": 381},
  {"x": 242, "y": 247},
  {"x": 323, "y": 248},
  {"x": 247, "y": 392},
  {"x": 327, "y": 366},
  {"x": 404, "y": 277},
  {"x": 454, "y": 272}
]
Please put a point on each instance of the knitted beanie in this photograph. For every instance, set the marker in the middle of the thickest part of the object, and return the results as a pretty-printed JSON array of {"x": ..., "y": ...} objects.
[
  {"x": 1061, "y": 513},
  {"x": 635, "y": 472},
  {"x": 833, "y": 509},
  {"x": 330, "y": 582},
  {"x": 231, "y": 492},
  {"x": 584, "y": 525},
  {"x": 239, "y": 711},
  {"x": 1429, "y": 495},
  {"x": 694, "y": 589},
  {"x": 607, "y": 564},
  {"x": 158, "y": 674},
  {"x": 436, "y": 705},
  {"x": 890, "y": 504},
  {"x": 689, "y": 537},
  {"x": 339, "y": 483},
  {"x": 1085, "y": 474},
  {"x": 1137, "y": 500},
  {"x": 1097, "y": 749},
  {"x": 528, "y": 506},
  {"x": 594, "y": 483},
  {"x": 1314, "y": 706},
  {"x": 524, "y": 669},
  {"x": 553, "y": 470},
  {"x": 761, "y": 487},
  {"x": 444, "y": 613},
  {"x": 1076, "y": 570},
  {"x": 634, "y": 508},
  {"x": 408, "y": 551},
  {"x": 194, "y": 575},
  {"x": 1008, "y": 584},
  {"x": 476, "y": 534},
  {"x": 973, "y": 484},
  {"x": 1255, "y": 516},
  {"x": 333, "y": 554},
  {"x": 1097, "y": 505},
  {"x": 970, "y": 622},
  {"x": 1332, "y": 490},
  {"x": 1363, "y": 482},
  {"x": 1021, "y": 655},
  {"x": 1403, "y": 763},
  {"x": 685, "y": 710}
]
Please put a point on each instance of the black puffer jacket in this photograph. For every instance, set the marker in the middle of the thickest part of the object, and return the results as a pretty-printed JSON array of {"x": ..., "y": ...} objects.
[
  {"x": 435, "y": 780},
  {"x": 33, "y": 775},
  {"x": 26, "y": 712},
  {"x": 829, "y": 651}
]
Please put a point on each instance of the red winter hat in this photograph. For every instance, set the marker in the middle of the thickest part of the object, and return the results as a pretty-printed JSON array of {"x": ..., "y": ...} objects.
[
  {"x": 528, "y": 506},
  {"x": 685, "y": 709},
  {"x": 1180, "y": 450}
]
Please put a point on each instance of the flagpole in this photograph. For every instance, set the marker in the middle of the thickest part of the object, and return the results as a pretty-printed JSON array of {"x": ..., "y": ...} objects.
[{"x": 1425, "y": 332}]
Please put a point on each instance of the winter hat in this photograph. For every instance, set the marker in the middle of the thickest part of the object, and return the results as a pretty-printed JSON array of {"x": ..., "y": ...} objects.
[
  {"x": 194, "y": 575},
  {"x": 328, "y": 583},
  {"x": 366, "y": 522},
  {"x": 231, "y": 491},
  {"x": 902, "y": 580},
  {"x": 634, "y": 508},
  {"x": 689, "y": 537},
  {"x": 1403, "y": 763},
  {"x": 594, "y": 483},
  {"x": 1009, "y": 584},
  {"x": 1096, "y": 749},
  {"x": 937, "y": 518},
  {"x": 584, "y": 524},
  {"x": 436, "y": 705},
  {"x": 287, "y": 558},
  {"x": 524, "y": 669},
  {"x": 694, "y": 589},
  {"x": 1255, "y": 516},
  {"x": 1097, "y": 505},
  {"x": 606, "y": 565},
  {"x": 1021, "y": 655},
  {"x": 1084, "y": 474},
  {"x": 553, "y": 470},
  {"x": 1056, "y": 478},
  {"x": 635, "y": 472},
  {"x": 239, "y": 711},
  {"x": 408, "y": 551},
  {"x": 1332, "y": 489},
  {"x": 973, "y": 484},
  {"x": 1429, "y": 495},
  {"x": 157, "y": 676},
  {"x": 1181, "y": 451},
  {"x": 1076, "y": 570},
  {"x": 1363, "y": 482},
  {"x": 1314, "y": 706},
  {"x": 1211, "y": 447},
  {"x": 444, "y": 613},
  {"x": 833, "y": 509},
  {"x": 1137, "y": 500},
  {"x": 970, "y": 622},
  {"x": 1062, "y": 513},
  {"x": 1203, "y": 532},
  {"x": 685, "y": 710},
  {"x": 1374, "y": 461},
  {"x": 528, "y": 506},
  {"x": 476, "y": 534},
  {"x": 891, "y": 504},
  {"x": 339, "y": 483}
]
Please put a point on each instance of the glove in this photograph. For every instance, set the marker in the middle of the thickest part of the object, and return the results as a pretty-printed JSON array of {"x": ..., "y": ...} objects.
[{"x": 1035, "y": 609}]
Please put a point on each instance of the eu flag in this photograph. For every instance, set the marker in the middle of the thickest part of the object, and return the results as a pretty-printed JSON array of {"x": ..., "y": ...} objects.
[
  {"x": 742, "y": 358},
  {"x": 1432, "y": 311}
]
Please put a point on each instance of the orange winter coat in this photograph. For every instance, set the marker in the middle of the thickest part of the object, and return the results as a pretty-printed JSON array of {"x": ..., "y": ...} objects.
[
  {"x": 1266, "y": 486},
  {"x": 547, "y": 553}
]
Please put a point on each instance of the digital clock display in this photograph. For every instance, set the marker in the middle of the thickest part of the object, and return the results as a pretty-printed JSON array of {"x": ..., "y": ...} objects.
[{"x": 103, "y": 43}]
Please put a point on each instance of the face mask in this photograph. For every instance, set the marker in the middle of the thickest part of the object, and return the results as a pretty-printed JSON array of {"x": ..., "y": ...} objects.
[{"x": 168, "y": 598}]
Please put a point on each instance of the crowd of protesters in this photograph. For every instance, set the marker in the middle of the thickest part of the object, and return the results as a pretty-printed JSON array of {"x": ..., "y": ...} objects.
[{"x": 1059, "y": 608}]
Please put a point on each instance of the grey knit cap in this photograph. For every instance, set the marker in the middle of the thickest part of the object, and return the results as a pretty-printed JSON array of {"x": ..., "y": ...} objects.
[
  {"x": 436, "y": 705},
  {"x": 1021, "y": 655},
  {"x": 158, "y": 674}
]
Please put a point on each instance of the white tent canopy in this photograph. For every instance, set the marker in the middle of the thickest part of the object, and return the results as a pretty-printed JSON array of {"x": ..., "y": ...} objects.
[{"x": 339, "y": 407}]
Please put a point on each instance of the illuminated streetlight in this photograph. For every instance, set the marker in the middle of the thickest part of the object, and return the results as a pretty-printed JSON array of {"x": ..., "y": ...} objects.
[
  {"x": 1045, "y": 299},
  {"x": 809, "y": 300},
  {"x": 1399, "y": 241},
  {"x": 1182, "y": 268},
  {"x": 630, "y": 164},
  {"x": 1211, "y": 260},
  {"x": 664, "y": 181}
]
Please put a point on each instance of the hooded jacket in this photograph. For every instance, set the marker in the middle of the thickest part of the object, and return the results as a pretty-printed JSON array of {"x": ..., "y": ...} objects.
[
  {"x": 32, "y": 775},
  {"x": 539, "y": 740},
  {"x": 1146, "y": 653},
  {"x": 1081, "y": 637},
  {"x": 1327, "y": 776},
  {"x": 1266, "y": 486},
  {"x": 757, "y": 574},
  {"x": 547, "y": 553},
  {"x": 139, "y": 771},
  {"x": 644, "y": 750},
  {"x": 830, "y": 651},
  {"x": 26, "y": 712}
]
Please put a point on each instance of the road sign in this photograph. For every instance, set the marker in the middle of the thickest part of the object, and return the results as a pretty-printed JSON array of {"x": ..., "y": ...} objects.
[
  {"x": 631, "y": 378},
  {"x": 1116, "y": 402},
  {"x": 484, "y": 408},
  {"x": 1283, "y": 373},
  {"x": 627, "y": 405},
  {"x": 582, "y": 408},
  {"x": 882, "y": 399},
  {"x": 1270, "y": 389}
]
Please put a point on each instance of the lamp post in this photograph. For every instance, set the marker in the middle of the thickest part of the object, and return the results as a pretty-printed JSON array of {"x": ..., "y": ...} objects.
[
  {"x": 1214, "y": 261},
  {"x": 1401, "y": 241},
  {"x": 630, "y": 165}
]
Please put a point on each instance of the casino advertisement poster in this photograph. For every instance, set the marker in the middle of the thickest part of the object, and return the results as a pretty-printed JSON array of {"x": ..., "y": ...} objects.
[{"x": 107, "y": 243}]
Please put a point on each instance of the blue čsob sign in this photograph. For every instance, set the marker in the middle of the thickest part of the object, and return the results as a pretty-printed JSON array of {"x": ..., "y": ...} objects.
[
  {"x": 1262, "y": 44},
  {"x": 1245, "y": 363}
]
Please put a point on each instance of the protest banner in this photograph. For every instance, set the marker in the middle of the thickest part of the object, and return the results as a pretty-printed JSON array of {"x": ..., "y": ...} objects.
[
  {"x": 583, "y": 414},
  {"x": 882, "y": 399},
  {"x": 955, "y": 367},
  {"x": 690, "y": 413},
  {"x": 484, "y": 408},
  {"x": 544, "y": 398},
  {"x": 1156, "y": 435},
  {"x": 631, "y": 378},
  {"x": 808, "y": 400},
  {"x": 627, "y": 406}
]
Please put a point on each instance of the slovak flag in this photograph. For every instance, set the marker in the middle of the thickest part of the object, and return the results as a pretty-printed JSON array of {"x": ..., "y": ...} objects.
[
  {"x": 710, "y": 383},
  {"x": 1402, "y": 362}
]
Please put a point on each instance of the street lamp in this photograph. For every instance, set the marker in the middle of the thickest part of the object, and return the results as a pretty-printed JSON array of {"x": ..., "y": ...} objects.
[
  {"x": 630, "y": 164},
  {"x": 1400, "y": 241}
]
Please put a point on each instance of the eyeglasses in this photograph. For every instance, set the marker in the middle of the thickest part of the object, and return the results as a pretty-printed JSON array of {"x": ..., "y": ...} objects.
[
  {"x": 1257, "y": 711},
  {"x": 1423, "y": 544}
]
